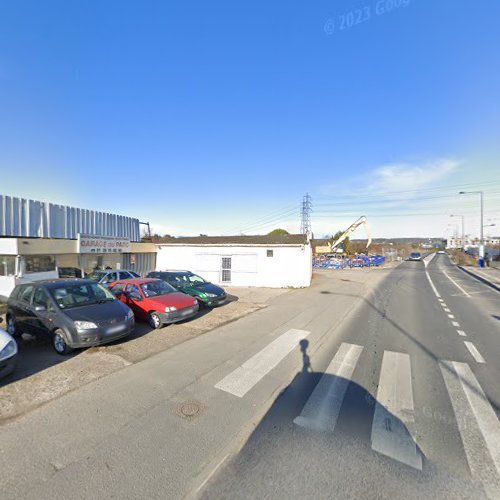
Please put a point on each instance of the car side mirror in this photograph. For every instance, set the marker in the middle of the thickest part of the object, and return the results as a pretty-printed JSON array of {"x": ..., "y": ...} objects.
[{"x": 40, "y": 308}]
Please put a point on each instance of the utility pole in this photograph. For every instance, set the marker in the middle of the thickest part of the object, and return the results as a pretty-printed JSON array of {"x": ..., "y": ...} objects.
[
  {"x": 305, "y": 217},
  {"x": 463, "y": 229},
  {"x": 481, "y": 236}
]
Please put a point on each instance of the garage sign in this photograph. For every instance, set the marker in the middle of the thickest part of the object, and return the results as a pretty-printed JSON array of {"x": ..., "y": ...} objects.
[{"x": 102, "y": 244}]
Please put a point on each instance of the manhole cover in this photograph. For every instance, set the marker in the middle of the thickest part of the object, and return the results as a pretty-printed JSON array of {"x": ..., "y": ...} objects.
[{"x": 189, "y": 409}]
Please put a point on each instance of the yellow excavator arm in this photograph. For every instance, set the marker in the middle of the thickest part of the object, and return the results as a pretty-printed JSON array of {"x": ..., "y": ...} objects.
[{"x": 361, "y": 221}]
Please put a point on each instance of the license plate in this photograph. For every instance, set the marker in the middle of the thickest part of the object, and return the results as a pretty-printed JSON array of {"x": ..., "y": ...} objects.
[
  {"x": 186, "y": 312},
  {"x": 115, "y": 329}
]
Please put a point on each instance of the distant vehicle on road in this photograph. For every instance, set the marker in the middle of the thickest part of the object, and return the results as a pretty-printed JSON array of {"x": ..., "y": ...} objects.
[
  {"x": 415, "y": 256},
  {"x": 74, "y": 313},
  {"x": 8, "y": 353},
  {"x": 205, "y": 292},
  {"x": 107, "y": 277},
  {"x": 155, "y": 301}
]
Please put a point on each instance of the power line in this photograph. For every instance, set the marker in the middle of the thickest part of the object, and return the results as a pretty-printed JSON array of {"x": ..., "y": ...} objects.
[{"x": 367, "y": 194}]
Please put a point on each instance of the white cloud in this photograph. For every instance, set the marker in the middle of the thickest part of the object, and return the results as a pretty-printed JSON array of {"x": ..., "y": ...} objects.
[{"x": 405, "y": 177}]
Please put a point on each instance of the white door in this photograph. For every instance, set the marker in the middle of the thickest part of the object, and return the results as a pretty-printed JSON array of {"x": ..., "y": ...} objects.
[{"x": 225, "y": 270}]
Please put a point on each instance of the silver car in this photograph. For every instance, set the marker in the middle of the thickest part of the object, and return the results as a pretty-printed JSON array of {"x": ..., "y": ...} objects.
[
  {"x": 8, "y": 353},
  {"x": 108, "y": 276}
]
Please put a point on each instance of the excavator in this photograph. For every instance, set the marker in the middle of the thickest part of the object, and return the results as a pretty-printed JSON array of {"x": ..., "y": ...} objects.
[{"x": 361, "y": 221}]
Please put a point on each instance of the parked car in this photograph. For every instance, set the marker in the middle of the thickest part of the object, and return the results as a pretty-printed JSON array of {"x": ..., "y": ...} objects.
[
  {"x": 415, "y": 256},
  {"x": 106, "y": 277},
  {"x": 155, "y": 301},
  {"x": 69, "y": 272},
  {"x": 187, "y": 282},
  {"x": 8, "y": 353},
  {"x": 75, "y": 313}
]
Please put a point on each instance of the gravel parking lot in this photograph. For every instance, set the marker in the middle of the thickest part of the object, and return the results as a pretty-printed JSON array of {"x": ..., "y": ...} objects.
[{"x": 42, "y": 375}]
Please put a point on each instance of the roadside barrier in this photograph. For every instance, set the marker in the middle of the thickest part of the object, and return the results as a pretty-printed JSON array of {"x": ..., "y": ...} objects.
[{"x": 343, "y": 263}]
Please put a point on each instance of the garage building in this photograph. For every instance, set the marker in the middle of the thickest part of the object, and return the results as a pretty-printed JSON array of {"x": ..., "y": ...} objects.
[
  {"x": 40, "y": 239},
  {"x": 276, "y": 261}
]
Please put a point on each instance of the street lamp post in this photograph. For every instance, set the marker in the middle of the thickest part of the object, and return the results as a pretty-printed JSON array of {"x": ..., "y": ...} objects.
[
  {"x": 463, "y": 229},
  {"x": 481, "y": 238}
]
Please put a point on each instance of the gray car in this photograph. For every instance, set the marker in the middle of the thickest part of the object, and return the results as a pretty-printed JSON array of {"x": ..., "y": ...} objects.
[
  {"x": 108, "y": 276},
  {"x": 74, "y": 313}
]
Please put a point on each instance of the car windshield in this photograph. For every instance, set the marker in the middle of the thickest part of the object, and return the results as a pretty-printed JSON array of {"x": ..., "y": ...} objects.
[
  {"x": 95, "y": 275},
  {"x": 186, "y": 279},
  {"x": 69, "y": 296},
  {"x": 156, "y": 288},
  {"x": 415, "y": 254}
]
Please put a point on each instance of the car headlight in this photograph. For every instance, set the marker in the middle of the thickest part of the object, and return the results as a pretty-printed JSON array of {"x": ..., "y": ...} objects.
[
  {"x": 130, "y": 314},
  {"x": 211, "y": 295},
  {"x": 9, "y": 350},
  {"x": 170, "y": 309},
  {"x": 85, "y": 325}
]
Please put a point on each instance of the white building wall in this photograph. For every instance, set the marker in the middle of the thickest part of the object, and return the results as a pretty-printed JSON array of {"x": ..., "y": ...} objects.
[{"x": 250, "y": 265}]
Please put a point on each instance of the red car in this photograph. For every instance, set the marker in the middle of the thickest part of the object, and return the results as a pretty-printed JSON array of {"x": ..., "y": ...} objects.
[{"x": 154, "y": 300}]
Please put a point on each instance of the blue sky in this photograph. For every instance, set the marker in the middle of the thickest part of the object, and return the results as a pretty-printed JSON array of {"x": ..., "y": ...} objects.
[{"x": 216, "y": 117}]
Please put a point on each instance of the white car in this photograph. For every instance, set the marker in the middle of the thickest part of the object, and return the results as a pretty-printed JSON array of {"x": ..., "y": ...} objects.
[{"x": 8, "y": 353}]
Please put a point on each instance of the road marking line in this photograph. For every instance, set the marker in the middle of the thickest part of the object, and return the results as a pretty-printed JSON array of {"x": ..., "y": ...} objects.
[
  {"x": 451, "y": 316},
  {"x": 455, "y": 283},
  {"x": 323, "y": 406},
  {"x": 441, "y": 300},
  {"x": 475, "y": 353},
  {"x": 455, "y": 323},
  {"x": 436, "y": 293},
  {"x": 241, "y": 380},
  {"x": 443, "y": 304},
  {"x": 428, "y": 261},
  {"x": 394, "y": 409},
  {"x": 447, "y": 310},
  {"x": 477, "y": 423},
  {"x": 462, "y": 333}
]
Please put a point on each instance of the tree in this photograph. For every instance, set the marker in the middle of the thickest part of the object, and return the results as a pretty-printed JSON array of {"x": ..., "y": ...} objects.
[
  {"x": 278, "y": 232},
  {"x": 345, "y": 244}
]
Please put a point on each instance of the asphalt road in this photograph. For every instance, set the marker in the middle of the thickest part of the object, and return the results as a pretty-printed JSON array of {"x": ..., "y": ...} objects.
[
  {"x": 360, "y": 387},
  {"x": 396, "y": 405}
]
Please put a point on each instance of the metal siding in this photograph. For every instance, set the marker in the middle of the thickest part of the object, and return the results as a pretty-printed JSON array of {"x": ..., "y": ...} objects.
[
  {"x": 145, "y": 263},
  {"x": 20, "y": 217}
]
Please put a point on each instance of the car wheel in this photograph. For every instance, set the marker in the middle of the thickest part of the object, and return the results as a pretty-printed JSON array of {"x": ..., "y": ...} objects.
[
  {"x": 154, "y": 320},
  {"x": 59, "y": 343},
  {"x": 12, "y": 328},
  {"x": 201, "y": 304}
]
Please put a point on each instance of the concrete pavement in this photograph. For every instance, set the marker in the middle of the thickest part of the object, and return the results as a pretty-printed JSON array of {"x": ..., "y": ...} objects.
[
  {"x": 402, "y": 403},
  {"x": 160, "y": 428}
]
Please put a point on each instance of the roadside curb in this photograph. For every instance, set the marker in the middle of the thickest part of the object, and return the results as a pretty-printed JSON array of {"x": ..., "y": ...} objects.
[{"x": 480, "y": 278}]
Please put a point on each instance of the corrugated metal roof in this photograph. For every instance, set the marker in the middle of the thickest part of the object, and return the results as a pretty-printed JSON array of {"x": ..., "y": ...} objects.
[
  {"x": 20, "y": 217},
  {"x": 280, "y": 239}
]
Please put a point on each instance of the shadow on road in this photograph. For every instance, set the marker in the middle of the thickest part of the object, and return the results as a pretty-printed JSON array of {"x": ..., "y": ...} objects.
[{"x": 311, "y": 444}]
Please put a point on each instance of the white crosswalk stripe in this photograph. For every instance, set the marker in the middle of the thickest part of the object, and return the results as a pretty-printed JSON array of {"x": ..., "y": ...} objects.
[
  {"x": 394, "y": 414},
  {"x": 241, "y": 380},
  {"x": 323, "y": 406},
  {"x": 477, "y": 423},
  {"x": 394, "y": 410}
]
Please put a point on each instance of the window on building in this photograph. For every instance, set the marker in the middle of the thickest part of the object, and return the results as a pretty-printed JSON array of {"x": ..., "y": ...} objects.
[
  {"x": 40, "y": 263},
  {"x": 7, "y": 265},
  {"x": 270, "y": 253}
]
